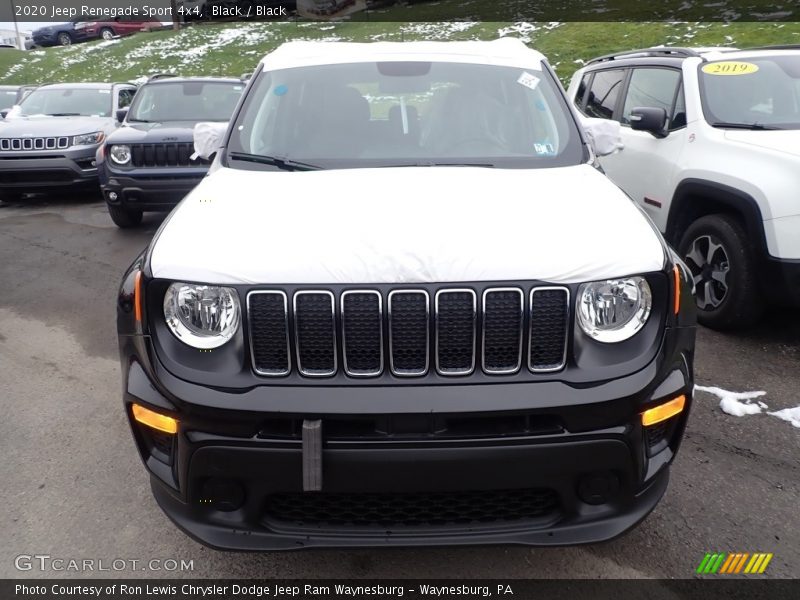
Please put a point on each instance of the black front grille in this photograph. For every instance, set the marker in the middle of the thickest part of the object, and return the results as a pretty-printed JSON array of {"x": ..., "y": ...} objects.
[
  {"x": 165, "y": 155},
  {"x": 34, "y": 176},
  {"x": 549, "y": 323},
  {"x": 423, "y": 509},
  {"x": 362, "y": 326},
  {"x": 455, "y": 332},
  {"x": 313, "y": 331},
  {"x": 316, "y": 338}
]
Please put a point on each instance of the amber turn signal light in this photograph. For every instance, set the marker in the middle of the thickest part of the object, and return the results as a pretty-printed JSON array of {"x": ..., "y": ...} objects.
[
  {"x": 677, "y": 280},
  {"x": 662, "y": 412},
  {"x": 137, "y": 296},
  {"x": 145, "y": 416}
]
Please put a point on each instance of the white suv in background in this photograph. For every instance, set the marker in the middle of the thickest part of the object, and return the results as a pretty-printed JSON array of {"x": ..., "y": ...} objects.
[{"x": 712, "y": 152}]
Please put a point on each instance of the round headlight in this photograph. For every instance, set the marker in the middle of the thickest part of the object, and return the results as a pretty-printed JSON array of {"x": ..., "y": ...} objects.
[
  {"x": 614, "y": 310},
  {"x": 120, "y": 154},
  {"x": 202, "y": 316}
]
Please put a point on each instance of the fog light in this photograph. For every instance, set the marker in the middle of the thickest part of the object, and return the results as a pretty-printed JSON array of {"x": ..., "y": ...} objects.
[
  {"x": 222, "y": 494},
  {"x": 598, "y": 488},
  {"x": 112, "y": 196}
]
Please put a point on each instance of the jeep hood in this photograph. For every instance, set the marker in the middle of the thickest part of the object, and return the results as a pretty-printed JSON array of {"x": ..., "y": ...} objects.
[
  {"x": 787, "y": 142},
  {"x": 405, "y": 225},
  {"x": 43, "y": 126}
]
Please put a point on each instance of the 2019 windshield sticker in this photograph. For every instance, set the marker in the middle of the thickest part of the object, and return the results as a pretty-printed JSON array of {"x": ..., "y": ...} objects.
[{"x": 730, "y": 67}]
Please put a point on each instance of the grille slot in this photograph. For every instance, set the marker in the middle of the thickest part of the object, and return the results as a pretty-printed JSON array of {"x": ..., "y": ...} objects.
[
  {"x": 315, "y": 333},
  {"x": 502, "y": 330},
  {"x": 401, "y": 510},
  {"x": 362, "y": 333},
  {"x": 549, "y": 327},
  {"x": 269, "y": 332},
  {"x": 409, "y": 332},
  {"x": 165, "y": 155},
  {"x": 36, "y": 143},
  {"x": 455, "y": 331}
]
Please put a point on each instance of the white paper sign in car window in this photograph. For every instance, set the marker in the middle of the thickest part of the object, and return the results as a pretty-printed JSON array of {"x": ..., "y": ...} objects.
[{"x": 528, "y": 80}]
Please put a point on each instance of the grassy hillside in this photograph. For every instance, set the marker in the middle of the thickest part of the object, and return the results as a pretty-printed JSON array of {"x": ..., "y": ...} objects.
[{"x": 234, "y": 48}]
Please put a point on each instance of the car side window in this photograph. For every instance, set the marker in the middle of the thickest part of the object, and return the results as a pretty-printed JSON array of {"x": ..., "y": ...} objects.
[
  {"x": 603, "y": 94},
  {"x": 651, "y": 88},
  {"x": 125, "y": 98},
  {"x": 678, "y": 119}
]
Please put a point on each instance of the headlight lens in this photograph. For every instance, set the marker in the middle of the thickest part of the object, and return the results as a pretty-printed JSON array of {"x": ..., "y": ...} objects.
[
  {"x": 202, "y": 316},
  {"x": 120, "y": 154},
  {"x": 614, "y": 310},
  {"x": 87, "y": 139}
]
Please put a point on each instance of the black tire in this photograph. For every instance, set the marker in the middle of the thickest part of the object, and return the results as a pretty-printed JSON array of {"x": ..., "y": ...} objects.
[
  {"x": 721, "y": 258},
  {"x": 106, "y": 33},
  {"x": 64, "y": 39},
  {"x": 124, "y": 218}
]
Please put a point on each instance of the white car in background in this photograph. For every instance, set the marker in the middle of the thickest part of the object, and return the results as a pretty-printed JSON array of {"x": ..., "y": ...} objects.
[{"x": 712, "y": 152}]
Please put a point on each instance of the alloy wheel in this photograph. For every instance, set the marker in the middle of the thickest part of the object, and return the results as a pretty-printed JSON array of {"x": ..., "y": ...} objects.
[{"x": 708, "y": 261}]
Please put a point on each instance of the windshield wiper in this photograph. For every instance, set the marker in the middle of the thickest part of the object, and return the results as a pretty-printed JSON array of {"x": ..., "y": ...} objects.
[
  {"x": 63, "y": 114},
  {"x": 750, "y": 126},
  {"x": 286, "y": 164},
  {"x": 139, "y": 121}
]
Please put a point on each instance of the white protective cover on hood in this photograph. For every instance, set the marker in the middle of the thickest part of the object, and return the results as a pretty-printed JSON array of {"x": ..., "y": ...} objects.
[{"x": 405, "y": 225}]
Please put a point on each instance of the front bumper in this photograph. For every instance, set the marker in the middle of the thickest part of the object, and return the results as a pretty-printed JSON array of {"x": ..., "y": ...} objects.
[
  {"x": 149, "y": 189},
  {"x": 781, "y": 281},
  {"x": 578, "y": 456},
  {"x": 45, "y": 170}
]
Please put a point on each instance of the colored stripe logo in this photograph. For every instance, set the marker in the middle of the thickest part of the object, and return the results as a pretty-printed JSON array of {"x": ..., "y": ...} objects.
[{"x": 733, "y": 563}]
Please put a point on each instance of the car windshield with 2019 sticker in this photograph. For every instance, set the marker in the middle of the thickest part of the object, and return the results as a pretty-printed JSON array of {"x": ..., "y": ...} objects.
[
  {"x": 414, "y": 113},
  {"x": 761, "y": 93}
]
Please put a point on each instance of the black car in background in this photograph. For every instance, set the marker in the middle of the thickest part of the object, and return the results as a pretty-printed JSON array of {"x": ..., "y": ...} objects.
[{"x": 147, "y": 164}]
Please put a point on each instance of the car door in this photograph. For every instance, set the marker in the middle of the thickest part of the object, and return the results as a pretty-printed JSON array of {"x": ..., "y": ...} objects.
[{"x": 645, "y": 166}]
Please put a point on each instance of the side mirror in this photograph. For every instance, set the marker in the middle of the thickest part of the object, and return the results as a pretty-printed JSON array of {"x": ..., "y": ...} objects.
[
  {"x": 208, "y": 139},
  {"x": 603, "y": 135},
  {"x": 121, "y": 114},
  {"x": 652, "y": 120},
  {"x": 4, "y": 112}
]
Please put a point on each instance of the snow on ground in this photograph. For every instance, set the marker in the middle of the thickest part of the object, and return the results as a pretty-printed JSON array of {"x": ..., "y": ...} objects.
[
  {"x": 792, "y": 415},
  {"x": 737, "y": 404}
]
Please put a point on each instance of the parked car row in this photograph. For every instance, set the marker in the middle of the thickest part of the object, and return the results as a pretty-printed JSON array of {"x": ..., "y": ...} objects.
[
  {"x": 83, "y": 29},
  {"x": 135, "y": 142}
]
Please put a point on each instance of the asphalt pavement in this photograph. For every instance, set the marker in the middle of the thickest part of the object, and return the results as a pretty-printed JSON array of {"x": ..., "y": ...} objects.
[{"x": 73, "y": 488}]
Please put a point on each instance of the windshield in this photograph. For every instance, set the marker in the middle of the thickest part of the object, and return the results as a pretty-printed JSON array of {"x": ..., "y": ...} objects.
[
  {"x": 87, "y": 102},
  {"x": 7, "y": 98},
  {"x": 759, "y": 93},
  {"x": 405, "y": 113},
  {"x": 186, "y": 101}
]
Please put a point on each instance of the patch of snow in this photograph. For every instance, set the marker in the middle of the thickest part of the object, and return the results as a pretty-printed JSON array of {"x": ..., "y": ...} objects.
[
  {"x": 737, "y": 404},
  {"x": 522, "y": 30},
  {"x": 792, "y": 415}
]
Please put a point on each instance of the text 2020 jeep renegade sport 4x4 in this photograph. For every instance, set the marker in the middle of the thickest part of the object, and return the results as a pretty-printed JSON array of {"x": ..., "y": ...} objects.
[
  {"x": 712, "y": 153},
  {"x": 405, "y": 308}
]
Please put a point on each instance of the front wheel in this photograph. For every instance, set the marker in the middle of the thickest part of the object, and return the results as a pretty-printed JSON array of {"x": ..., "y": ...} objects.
[
  {"x": 124, "y": 218},
  {"x": 107, "y": 33},
  {"x": 723, "y": 266},
  {"x": 64, "y": 38}
]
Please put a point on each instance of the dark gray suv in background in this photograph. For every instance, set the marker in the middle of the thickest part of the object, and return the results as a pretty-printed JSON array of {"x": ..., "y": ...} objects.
[
  {"x": 148, "y": 164},
  {"x": 48, "y": 142}
]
